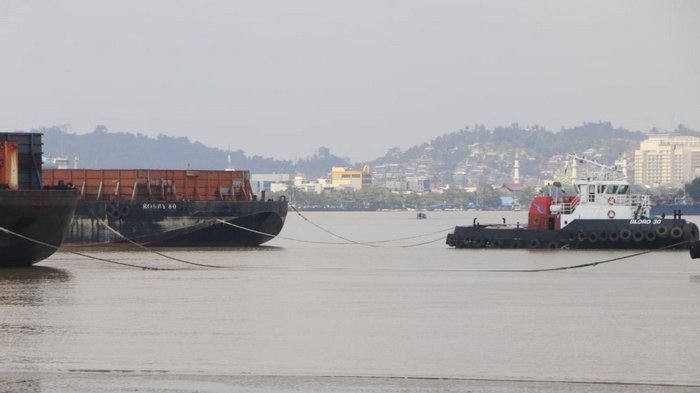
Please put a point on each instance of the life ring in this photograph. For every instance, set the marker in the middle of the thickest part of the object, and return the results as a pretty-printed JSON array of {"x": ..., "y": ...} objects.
[
  {"x": 611, "y": 200},
  {"x": 611, "y": 213}
]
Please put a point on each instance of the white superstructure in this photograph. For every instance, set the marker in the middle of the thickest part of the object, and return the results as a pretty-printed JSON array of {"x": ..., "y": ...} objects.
[{"x": 603, "y": 195}]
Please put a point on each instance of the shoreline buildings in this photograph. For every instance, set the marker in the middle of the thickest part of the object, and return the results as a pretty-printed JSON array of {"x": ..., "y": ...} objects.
[{"x": 667, "y": 160}]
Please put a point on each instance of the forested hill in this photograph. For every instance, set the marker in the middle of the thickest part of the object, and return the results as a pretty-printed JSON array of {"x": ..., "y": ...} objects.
[
  {"x": 492, "y": 151},
  {"x": 101, "y": 149},
  {"x": 474, "y": 146},
  {"x": 537, "y": 141}
]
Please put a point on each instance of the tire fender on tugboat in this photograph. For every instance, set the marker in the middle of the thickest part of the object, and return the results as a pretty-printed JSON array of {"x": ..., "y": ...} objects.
[
  {"x": 637, "y": 236},
  {"x": 625, "y": 234},
  {"x": 690, "y": 231},
  {"x": 581, "y": 237},
  {"x": 614, "y": 236},
  {"x": 676, "y": 232},
  {"x": 603, "y": 236}
]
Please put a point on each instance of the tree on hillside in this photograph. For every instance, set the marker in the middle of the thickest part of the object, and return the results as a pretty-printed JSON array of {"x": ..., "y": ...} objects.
[
  {"x": 487, "y": 197},
  {"x": 692, "y": 189}
]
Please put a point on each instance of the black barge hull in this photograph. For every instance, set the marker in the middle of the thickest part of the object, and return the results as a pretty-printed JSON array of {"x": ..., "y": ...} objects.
[
  {"x": 40, "y": 215},
  {"x": 176, "y": 224},
  {"x": 588, "y": 234}
]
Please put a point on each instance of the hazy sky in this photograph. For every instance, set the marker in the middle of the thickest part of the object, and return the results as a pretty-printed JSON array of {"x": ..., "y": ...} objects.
[{"x": 281, "y": 78}]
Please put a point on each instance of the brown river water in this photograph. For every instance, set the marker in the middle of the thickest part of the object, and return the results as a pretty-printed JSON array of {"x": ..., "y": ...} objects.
[{"x": 306, "y": 314}]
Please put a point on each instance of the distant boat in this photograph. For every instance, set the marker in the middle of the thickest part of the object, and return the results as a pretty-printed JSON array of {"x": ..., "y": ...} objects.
[{"x": 421, "y": 216}]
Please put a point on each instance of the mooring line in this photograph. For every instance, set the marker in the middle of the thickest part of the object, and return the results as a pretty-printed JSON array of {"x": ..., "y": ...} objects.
[
  {"x": 371, "y": 244},
  {"x": 414, "y": 237},
  {"x": 330, "y": 232},
  {"x": 275, "y": 236},
  {"x": 583, "y": 264},
  {"x": 441, "y": 238},
  {"x": 78, "y": 253},
  {"x": 513, "y": 380},
  {"x": 106, "y": 225}
]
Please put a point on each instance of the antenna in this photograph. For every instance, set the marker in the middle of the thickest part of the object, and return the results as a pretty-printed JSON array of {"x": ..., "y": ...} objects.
[{"x": 608, "y": 172}]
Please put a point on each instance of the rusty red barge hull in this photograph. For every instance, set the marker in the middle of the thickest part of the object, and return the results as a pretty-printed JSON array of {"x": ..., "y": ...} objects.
[{"x": 168, "y": 208}]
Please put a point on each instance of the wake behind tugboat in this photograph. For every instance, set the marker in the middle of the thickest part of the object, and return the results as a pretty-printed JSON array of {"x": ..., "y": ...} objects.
[{"x": 602, "y": 215}]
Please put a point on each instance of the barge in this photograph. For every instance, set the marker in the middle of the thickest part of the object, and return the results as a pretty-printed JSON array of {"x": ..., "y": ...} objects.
[{"x": 168, "y": 208}]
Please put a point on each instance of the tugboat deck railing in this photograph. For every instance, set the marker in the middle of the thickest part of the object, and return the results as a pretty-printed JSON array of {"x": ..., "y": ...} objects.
[
  {"x": 635, "y": 200},
  {"x": 568, "y": 207}
]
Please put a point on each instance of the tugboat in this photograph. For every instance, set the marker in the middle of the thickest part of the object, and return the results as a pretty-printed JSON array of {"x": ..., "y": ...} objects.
[
  {"x": 602, "y": 215},
  {"x": 33, "y": 218}
]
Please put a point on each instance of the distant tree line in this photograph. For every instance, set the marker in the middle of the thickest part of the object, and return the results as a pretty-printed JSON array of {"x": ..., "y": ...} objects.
[{"x": 379, "y": 198}]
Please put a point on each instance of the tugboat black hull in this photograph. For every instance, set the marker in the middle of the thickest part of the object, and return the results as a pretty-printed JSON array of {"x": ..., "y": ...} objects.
[
  {"x": 176, "y": 224},
  {"x": 581, "y": 234},
  {"x": 40, "y": 215}
]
